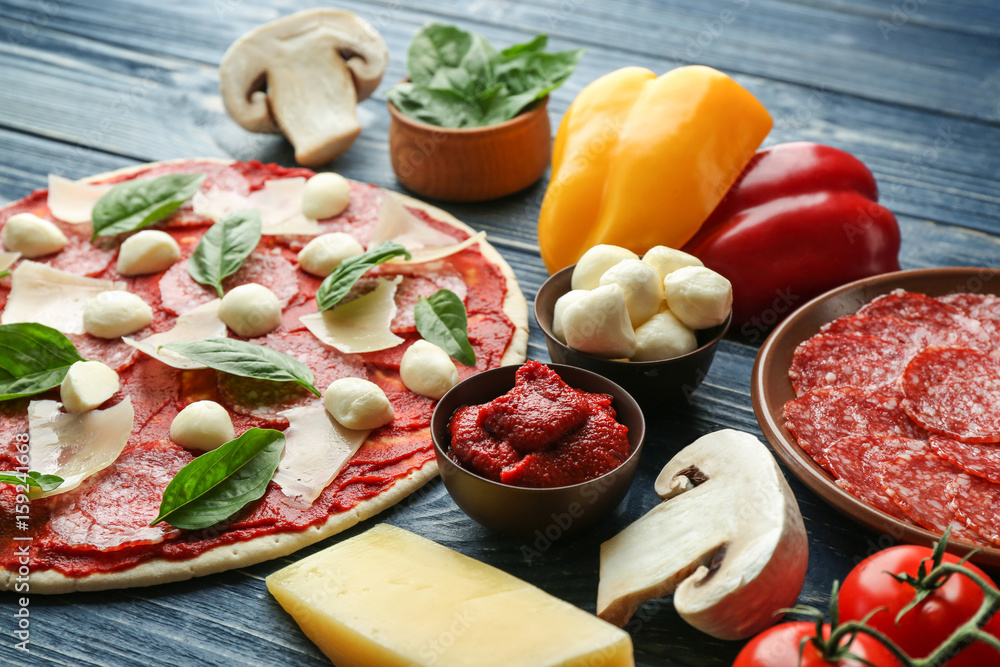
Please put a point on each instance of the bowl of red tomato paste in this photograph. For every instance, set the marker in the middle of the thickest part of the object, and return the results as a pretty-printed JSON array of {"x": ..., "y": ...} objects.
[{"x": 550, "y": 448}]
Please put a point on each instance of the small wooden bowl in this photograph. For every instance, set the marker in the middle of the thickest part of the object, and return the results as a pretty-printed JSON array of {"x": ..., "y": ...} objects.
[{"x": 470, "y": 164}]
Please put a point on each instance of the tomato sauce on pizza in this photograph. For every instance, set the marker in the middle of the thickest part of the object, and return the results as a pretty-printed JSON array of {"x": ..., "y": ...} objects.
[{"x": 103, "y": 525}]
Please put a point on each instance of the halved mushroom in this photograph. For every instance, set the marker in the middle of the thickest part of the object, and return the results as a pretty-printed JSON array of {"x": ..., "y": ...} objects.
[
  {"x": 728, "y": 542},
  {"x": 303, "y": 75}
]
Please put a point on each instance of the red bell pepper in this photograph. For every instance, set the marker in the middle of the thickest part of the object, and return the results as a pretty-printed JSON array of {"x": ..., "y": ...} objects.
[{"x": 802, "y": 219}]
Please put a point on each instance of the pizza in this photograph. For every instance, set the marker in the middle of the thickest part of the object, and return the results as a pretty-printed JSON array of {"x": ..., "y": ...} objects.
[{"x": 97, "y": 535}]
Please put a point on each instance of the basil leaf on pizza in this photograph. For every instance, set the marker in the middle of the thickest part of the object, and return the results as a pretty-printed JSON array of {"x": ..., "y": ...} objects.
[
  {"x": 33, "y": 358},
  {"x": 4, "y": 273},
  {"x": 224, "y": 247},
  {"x": 336, "y": 285},
  {"x": 442, "y": 320},
  {"x": 238, "y": 357},
  {"x": 32, "y": 478},
  {"x": 219, "y": 483},
  {"x": 136, "y": 204}
]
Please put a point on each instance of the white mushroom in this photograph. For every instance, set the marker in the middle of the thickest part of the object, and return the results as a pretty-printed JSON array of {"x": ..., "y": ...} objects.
[
  {"x": 729, "y": 542},
  {"x": 303, "y": 75}
]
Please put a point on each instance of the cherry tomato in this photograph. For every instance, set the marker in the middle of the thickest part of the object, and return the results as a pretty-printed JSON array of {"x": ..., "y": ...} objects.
[
  {"x": 779, "y": 647},
  {"x": 927, "y": 625}
]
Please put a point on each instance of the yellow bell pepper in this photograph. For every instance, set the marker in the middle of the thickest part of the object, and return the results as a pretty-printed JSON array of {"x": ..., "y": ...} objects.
[{"x": 641, "y": 161}]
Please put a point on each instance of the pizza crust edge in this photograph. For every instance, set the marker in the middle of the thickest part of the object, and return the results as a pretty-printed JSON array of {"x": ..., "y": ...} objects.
[{"x": 276, "y": 545}]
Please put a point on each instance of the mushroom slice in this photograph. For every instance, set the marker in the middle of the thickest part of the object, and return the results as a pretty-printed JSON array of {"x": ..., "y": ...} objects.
[
  {"x": 728, "y": 542},
  {"x": 303, "y": 75}
]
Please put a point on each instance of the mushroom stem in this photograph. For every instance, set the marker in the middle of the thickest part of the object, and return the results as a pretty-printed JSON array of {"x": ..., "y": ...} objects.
[{"x": 314, "y": 105}]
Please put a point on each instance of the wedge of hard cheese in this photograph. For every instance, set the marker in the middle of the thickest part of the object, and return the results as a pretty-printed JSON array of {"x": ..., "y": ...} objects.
[{"x": 388, "y": 597}]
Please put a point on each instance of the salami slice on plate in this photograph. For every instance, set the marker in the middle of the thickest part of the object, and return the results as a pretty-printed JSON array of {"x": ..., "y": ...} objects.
[
  {"x": 918, "y": 482},
  {"x": 977, "y": 502},
  {"x": 857, "y": 463},
  {"x": 947, "y": 324},
  {"x": 821, "y": 417},
  {"x": 955, "y": 392},
  {"x": 975, "y": 458},
  {"x": 891, "y": 329},
  {"x": 982, "y": 307},
  {"x": 855, "y": 360}
]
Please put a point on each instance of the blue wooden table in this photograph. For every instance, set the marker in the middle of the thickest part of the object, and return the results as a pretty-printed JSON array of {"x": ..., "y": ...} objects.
[{"x": 911, "y": 87}]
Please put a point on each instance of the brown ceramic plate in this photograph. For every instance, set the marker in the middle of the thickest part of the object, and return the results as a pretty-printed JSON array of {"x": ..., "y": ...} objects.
[{"x": 771, "y": 389}]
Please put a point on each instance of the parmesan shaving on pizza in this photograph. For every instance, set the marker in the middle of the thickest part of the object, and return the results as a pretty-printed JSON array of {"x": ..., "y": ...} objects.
[
  {"x": 73, "y": 201},
  {"x": 397, "y": 224},
  {"x": 279, "y": 203},
  {"x": 75, "y": 446},
  {"x": 361, "y": 325},
  {"x": 7, "y": 259},
  {"x": 198, "y": 323},
  {"x": 434, "y": 253},
  {"x": 316, "y": 449},
  {"x": 51, "y": 297},
  {"x": 425, "y": 243}
]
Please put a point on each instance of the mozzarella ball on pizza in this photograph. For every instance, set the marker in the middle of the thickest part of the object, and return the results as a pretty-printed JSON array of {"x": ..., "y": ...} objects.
[
  {"x": 326, "y": 252},
  {"x": 699, "y": 297},
  {"x": 87, "y": 384},
  {"x": 32, "y": 236},
  {"x": 667, "y": 260},
  {"x": 115, "y": 314},
  {"x": 642, "y": 285},
  {"x": 203, "y": 425},
  {"x": 250, "y": 310},
  {"x": 358, "y": 404},
  {"x": 663, "y": 336},
  {"x": 592, "y": 265},
  {"x": 148, "y": 251},
  {"x": 325, "y": 196},
  {"x": 427, "y": 370}
]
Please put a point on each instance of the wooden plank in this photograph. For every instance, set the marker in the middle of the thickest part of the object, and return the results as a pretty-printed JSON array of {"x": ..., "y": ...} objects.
[
  {"x": 966, "y": 16},
  {"x": 930, "y": 166},
  {"x": 135, "y": 81},
  {"x": 910, "y": 62}
]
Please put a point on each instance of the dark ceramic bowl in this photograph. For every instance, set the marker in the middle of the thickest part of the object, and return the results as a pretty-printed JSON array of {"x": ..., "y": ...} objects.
[
  {"x": 653, "y": 382},
  {"x": 770, "y": 387},
  {"x": 519, "y": 511}
]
